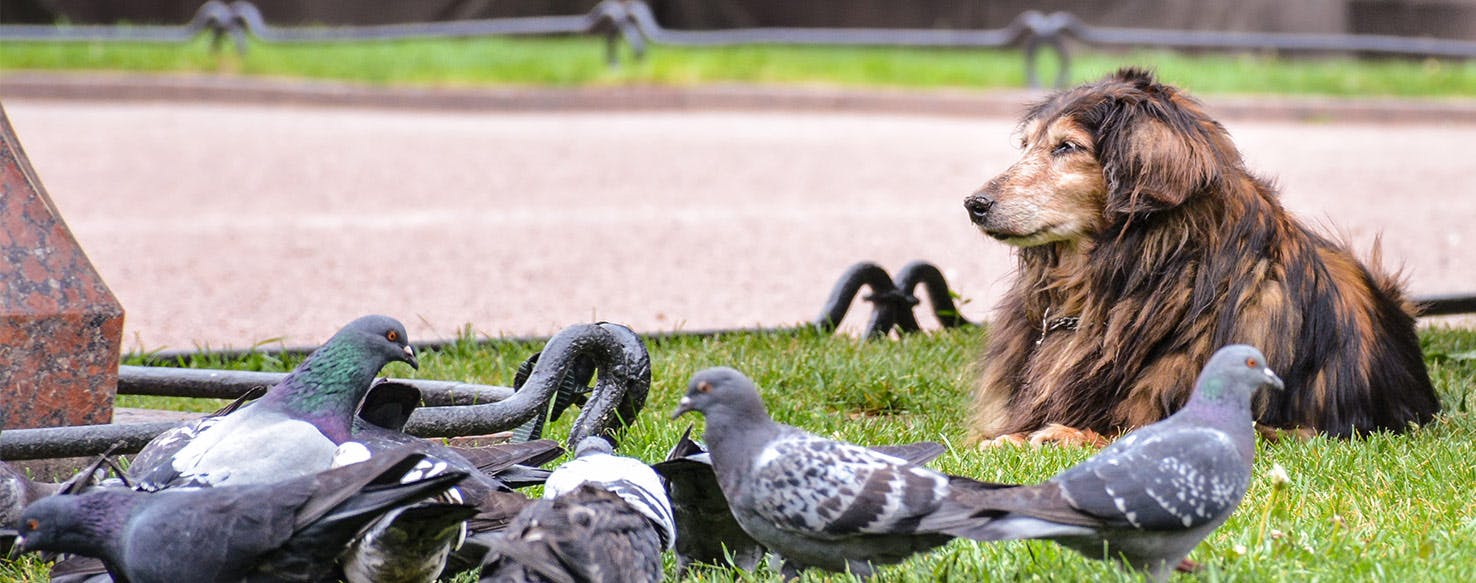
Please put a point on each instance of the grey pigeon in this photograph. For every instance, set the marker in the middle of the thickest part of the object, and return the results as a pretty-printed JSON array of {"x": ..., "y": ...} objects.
[
  {"x": 707, "y": 532},
  {"x": 292, "y": 430},
  {"x": 812, "y": 501},
  {"x": 1150, "y": 497},
  {"x": 287, "y": 531},
  {"x": 416, "y": 543},
  {"x": 635, "y": 482},
  {"x": 409, "y": 544},
  {"x": 603, "y": 518},
  {"x": 17, "y": 492},
  {"x": 588, "y": 534}
]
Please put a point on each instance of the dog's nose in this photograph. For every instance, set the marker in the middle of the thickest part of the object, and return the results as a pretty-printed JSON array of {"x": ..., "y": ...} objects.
[{"x": 978, "y": 206}]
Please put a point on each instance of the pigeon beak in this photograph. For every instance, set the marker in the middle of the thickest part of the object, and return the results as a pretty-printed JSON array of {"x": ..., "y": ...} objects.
[
  {"x": 1274, "y": 381},
  {"x": 17, "y": 548},
  {"x": 410, "y": 357},
  {"x": 683, "y": 407}
]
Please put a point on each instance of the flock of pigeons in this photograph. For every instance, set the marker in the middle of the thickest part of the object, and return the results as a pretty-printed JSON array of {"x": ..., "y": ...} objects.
[{"x": 305, "y": 484}]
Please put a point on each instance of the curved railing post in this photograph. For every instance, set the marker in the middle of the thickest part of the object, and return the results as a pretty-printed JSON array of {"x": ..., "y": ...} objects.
[{"x": 892, "y": 301}]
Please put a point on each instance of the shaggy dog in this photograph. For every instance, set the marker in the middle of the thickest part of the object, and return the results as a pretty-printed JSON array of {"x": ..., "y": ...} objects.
[{"x": 1144, "y": 244}]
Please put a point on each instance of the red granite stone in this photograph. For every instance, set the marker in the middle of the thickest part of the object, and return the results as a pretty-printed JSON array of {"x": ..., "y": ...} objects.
[{"x": 61, "y": 329}]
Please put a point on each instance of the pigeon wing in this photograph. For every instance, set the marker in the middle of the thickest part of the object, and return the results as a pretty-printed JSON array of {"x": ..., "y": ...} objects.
[
  {"x": 496, "y": 458},
  {"x": 153, "y": 465},
  {"x": 817, "y": 486},
  {"x": 706, "y": 531},
  {"x": 1165, "y": 480},
  {"x": 914, "y": 453}
]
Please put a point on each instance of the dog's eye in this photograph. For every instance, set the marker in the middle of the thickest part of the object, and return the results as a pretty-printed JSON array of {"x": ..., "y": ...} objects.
[{"x": 1065, "y": 148}]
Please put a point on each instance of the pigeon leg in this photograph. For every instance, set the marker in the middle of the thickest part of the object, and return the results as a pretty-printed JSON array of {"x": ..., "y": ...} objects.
[{"x": 788, "y": 570}]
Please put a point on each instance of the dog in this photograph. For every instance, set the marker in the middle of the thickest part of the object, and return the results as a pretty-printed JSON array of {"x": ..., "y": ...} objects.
[{"x": 1144, "y": 244}]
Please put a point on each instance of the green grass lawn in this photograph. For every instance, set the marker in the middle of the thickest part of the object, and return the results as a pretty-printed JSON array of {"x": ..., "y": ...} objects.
[
  {"x": 580, "y": 61},
  {"x": 1384, "y": 508}
]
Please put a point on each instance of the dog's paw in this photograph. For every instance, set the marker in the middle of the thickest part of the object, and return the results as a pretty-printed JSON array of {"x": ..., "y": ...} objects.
[
  {"x": 1059, "y": 434},
  {"x": 1275, "y": 434},
  {"x": 1008, "y": 440}
]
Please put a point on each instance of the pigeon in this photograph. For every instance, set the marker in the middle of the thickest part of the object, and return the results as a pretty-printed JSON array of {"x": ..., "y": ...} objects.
[
  {"x": 416, "y": 544},
  {"x": 603, "y": 517},
  {"x": 288, "y": 531},
  {"x": 815, "y": 502},
  {"x": 292, "y": 430},
  {"x": 588, "y": 534},
  {"x": 1150, "y": 497},
  {"x": 17, "y": 492},
  {"x": 635, "y": 482},
  {"x": 409, "y": 544},
  {"x": 706, "y": 530}
]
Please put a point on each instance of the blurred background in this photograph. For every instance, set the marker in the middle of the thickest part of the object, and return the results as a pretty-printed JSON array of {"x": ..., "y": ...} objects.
[
  {"x": 1454, "y": 19},
  {"x": 261, "y": 173}
]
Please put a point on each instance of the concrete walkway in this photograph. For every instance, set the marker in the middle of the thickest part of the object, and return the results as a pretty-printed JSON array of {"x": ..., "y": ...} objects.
[{"x": 229, "y": 224}]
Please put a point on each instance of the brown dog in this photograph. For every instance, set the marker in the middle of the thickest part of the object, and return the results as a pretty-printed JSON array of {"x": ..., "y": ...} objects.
[{"x": 1144, "y": 245}]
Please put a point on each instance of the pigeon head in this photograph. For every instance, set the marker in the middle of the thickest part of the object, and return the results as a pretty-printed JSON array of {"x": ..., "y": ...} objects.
[
  {"x": 80, "y": 524},
  {"x": 1234, "y": 374},
  {"x": 593, "y": 445},
  {"x": 722, "y": 391},
  {"x": 329, "y": 385},
  {"x": 381, "y": 336}
]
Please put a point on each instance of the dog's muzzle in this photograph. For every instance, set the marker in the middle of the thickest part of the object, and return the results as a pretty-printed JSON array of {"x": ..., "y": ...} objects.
[{"x": 978, "y": 206}]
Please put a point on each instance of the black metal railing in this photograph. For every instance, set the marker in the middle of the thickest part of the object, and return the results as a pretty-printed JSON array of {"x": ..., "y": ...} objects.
[
  {"x": 632, "y": 22},
  {"x": 448, "y": 409}
]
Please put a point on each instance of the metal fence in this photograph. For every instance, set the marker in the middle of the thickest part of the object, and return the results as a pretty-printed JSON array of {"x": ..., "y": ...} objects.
[{"x": 633, "y": 23}]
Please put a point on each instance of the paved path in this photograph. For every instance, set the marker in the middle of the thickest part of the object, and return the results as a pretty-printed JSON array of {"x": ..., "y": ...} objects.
[{"x": 224, "y": 225}]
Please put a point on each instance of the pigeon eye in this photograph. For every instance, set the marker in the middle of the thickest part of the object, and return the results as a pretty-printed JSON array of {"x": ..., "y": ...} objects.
[
  {"x": 33, "y": 524},
  {"x": 704, "y": 387},
  {"x": 392, "y": 336},
  {"x": 1251, "y": 362}
]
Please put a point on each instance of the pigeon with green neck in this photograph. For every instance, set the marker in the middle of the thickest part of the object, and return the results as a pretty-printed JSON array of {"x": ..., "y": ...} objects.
[{"x": 293, "y": 430}]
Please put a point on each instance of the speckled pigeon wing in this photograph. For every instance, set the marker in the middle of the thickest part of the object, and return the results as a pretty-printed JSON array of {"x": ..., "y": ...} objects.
[
  {"x": 1163, "y": 480},
  {"x": 812, "y": 485},
  {"x": 153, "y": 467}
]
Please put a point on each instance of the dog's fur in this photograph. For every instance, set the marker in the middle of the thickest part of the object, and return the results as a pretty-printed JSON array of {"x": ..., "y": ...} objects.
[{"x": 1133, "y": 212}]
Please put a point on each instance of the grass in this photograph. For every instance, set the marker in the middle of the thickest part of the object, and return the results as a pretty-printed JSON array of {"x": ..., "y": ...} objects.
[
  {"x": 1387, "y": 507},
  {"x": 580, "y": 61}
]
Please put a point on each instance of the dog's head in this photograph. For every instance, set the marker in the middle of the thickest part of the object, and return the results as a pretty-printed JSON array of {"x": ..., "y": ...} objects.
[{"x": 1098, "y": 154}]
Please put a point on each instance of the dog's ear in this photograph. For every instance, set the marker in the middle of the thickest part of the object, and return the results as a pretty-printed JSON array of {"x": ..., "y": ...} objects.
[{"x": 1156, "y": 148}]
